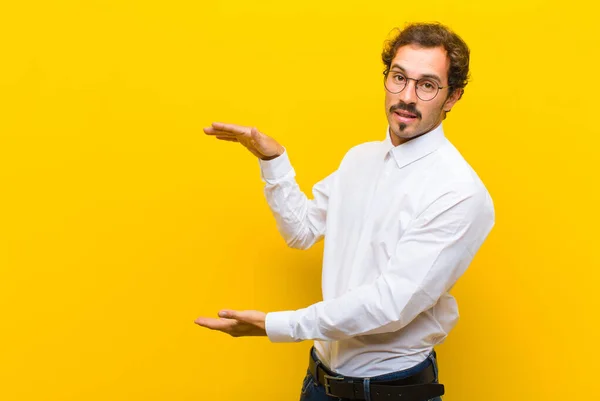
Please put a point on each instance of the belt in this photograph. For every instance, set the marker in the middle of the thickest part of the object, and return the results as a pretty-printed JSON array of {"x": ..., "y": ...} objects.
[{"x": 417, "y": 387}]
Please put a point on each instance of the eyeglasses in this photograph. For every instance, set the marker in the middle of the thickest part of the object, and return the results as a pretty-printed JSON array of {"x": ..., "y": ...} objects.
[{"x": 425, "y": 88}]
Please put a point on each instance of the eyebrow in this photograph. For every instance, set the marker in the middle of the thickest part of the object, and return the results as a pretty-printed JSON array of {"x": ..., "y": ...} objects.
[{"x": 432, "y": 76}]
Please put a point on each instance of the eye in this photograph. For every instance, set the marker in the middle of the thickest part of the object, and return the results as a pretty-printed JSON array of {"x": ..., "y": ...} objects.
[
  {"x": 428, "y": 85},
  {"x": 399, "y": 78}
]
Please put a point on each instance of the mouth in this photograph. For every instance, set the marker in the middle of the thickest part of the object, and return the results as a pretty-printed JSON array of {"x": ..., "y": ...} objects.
[{"x": 404, "y": 116}]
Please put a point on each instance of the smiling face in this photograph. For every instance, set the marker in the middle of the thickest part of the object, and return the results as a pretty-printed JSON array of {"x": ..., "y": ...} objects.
[{"x": 408, "y": 116}]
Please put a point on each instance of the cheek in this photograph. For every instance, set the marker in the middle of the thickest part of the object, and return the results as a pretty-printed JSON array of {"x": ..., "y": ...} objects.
[
  {"x": 431, "y": 110},
  {"x": 389, "y": 101}
]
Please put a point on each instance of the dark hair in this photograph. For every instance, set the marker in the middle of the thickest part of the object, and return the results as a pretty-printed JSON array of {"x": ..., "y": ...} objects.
[{"x": 430, "y": 35}]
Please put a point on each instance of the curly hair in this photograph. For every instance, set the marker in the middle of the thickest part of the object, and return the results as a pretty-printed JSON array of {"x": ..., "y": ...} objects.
[{"x": 430, "y": 35}]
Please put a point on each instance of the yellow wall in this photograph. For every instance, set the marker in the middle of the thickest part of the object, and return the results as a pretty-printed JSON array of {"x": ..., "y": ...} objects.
[{"x": 121, "y": 222}]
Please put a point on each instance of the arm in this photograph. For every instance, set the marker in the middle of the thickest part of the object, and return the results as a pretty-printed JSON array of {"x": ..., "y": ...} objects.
[
  {"x": 431, "y": 255},
  {"x": 301, "y": 221}
]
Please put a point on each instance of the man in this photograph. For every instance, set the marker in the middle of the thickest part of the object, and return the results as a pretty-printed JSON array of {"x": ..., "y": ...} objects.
[{"x": 402, "y": 220}]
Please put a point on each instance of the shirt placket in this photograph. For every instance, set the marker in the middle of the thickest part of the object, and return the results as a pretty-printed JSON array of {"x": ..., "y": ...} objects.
[{"x": 373, "y": 206}]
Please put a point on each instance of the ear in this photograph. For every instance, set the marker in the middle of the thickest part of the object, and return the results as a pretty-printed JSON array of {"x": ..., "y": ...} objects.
[{"x": 454, "y": 97}]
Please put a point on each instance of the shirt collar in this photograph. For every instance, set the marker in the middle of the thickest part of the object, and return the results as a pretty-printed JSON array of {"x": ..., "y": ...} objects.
[{"x": 414, "y": 149}]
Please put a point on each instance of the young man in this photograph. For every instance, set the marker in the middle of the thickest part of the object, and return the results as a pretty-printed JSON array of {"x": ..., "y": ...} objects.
[{"x": 402, "y": 220}]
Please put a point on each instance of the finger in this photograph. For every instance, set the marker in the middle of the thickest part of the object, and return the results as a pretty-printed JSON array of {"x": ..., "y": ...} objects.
[
  {"x": 216, "y": 324},
  {"x": 212, "y": 131},
  {"x": 232, "y": 128},
  {"x": 227, "y": 138}
]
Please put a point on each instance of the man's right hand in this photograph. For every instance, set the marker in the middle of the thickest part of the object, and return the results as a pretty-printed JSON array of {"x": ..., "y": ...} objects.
[{"x": 260, "y": 145}]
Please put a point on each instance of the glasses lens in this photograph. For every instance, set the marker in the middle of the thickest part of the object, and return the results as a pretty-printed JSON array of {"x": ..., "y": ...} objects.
[
  {"x": 395, "y": 82},
  {"x": 427, "y": 90}
]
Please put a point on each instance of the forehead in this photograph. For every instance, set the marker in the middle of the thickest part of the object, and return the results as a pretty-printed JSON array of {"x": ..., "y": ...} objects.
[{"x": 417, "y": 61}]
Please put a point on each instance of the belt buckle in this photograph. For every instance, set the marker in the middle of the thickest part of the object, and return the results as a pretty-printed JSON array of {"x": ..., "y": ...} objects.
[{"x": 327, "y": 386}]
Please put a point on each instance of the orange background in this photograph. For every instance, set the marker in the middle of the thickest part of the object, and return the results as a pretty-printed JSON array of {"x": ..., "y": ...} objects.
[{"x": 120, "y": 222}]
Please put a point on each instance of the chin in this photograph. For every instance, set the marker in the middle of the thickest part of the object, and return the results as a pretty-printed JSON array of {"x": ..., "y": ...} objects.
[{"x": 405, "y": 132}]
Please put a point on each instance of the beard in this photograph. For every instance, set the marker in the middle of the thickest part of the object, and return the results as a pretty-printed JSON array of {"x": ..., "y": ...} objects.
[
  {"x": 410, "y": 108},
  {"x": 419, "y": 126}
]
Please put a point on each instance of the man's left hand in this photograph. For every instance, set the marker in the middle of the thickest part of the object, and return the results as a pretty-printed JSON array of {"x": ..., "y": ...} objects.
[{"x": 236, "y": 323}]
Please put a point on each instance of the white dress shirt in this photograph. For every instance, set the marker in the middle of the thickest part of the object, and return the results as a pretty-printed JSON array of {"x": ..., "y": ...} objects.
[{"x": 401, "y": 224}]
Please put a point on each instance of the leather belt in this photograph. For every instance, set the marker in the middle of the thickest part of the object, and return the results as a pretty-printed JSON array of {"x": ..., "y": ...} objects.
[{"x": 417, "y": 387}]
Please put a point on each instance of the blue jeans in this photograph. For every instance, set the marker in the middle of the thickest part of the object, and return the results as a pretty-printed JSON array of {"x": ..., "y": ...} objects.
[{"x": 312, "y": 391}]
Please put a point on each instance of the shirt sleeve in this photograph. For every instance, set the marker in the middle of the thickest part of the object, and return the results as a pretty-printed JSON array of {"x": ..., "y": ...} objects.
[
  {"x": 300, "y": 221},
  {"x": 430, "y": 256}
]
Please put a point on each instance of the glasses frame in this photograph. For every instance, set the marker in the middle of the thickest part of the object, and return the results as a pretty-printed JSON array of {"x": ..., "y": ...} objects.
[{"x": 385, "y": 77}]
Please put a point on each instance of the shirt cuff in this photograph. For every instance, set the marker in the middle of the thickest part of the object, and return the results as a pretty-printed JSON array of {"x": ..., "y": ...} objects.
[
  {"x": 278, "y": 327},
  {"x": 276, "y": 168}
]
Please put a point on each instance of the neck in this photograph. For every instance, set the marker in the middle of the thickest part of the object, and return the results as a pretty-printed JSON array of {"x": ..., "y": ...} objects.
[{"x": 397, "y": 140}]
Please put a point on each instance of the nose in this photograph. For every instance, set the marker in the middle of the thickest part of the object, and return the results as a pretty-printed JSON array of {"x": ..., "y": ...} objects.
[{"x": 409, "y": 94}]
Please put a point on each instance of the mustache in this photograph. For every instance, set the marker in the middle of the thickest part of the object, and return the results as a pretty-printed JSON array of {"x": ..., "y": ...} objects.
[{"x": 411, "y": 108}]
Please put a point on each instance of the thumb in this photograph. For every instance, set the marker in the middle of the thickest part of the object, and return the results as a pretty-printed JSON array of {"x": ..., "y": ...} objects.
[
  {"x": 256, "y": 135},
  {"x": 257, "y": 140},
  {"x": 264, "y": 144},
  {"x": 229, "y": 314}
]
